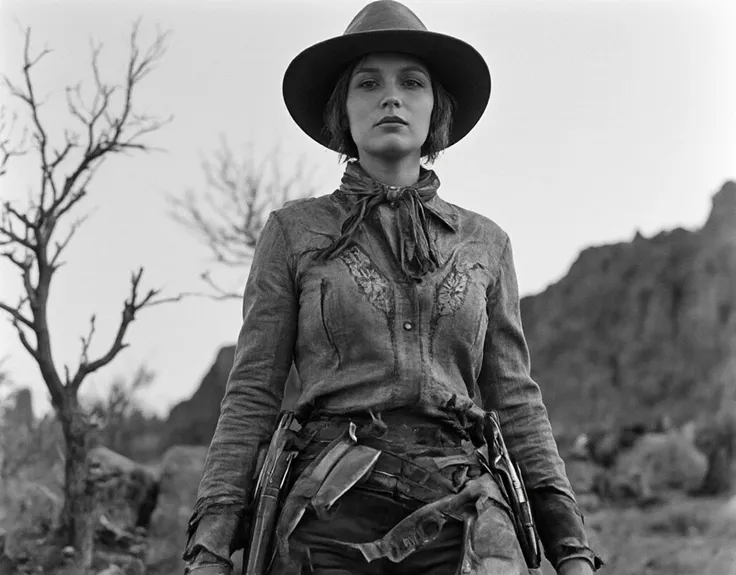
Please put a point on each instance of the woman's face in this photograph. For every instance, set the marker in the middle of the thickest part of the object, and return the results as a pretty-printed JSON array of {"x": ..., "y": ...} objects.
[{"x": 389, "y": 105}]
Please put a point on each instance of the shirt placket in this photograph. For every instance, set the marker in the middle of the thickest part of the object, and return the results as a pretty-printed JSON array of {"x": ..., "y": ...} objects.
[{"x": 408, "y": 324}]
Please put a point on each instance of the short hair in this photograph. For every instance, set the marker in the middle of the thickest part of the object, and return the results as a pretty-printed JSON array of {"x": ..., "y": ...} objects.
[{"x": 338, "y": 126}]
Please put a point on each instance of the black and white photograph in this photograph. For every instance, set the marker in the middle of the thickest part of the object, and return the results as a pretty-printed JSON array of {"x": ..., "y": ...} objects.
[{"x": 354, "y": 287}]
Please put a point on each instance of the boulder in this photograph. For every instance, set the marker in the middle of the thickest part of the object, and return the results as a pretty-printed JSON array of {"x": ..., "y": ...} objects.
[
  {"x": 655, "y": 467},
  {"x": 716, "y": 437},
  {"x": 124, "y": 488},
  {"x": 604, "y": 447},
  {"x": 180, "y": 471}
]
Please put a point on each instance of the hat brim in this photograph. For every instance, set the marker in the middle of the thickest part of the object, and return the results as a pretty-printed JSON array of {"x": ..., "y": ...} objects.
[{"x": 311, "y": 77}]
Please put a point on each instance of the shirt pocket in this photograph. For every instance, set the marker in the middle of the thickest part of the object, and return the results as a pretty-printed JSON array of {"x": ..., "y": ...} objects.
[{"x": 356, "y": 307}]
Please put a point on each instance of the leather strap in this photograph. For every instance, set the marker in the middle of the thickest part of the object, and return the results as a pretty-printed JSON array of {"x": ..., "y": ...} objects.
[{"x": 422, "y": 526}]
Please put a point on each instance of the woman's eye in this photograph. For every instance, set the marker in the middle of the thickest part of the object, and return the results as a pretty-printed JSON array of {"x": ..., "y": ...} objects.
[
  {"x": 367, "y": 84},
  {"x": 413, "y": 82}
]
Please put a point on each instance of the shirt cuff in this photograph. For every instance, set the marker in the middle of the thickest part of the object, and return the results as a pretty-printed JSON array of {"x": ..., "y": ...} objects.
[
  {"x": 587, "y": 555},
  {"x": 211, "y": 539},
  {"x": 560, "y": 527}
]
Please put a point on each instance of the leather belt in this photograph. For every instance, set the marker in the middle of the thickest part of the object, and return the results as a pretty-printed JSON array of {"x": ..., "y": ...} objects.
[{"x": 420, "y": 460}]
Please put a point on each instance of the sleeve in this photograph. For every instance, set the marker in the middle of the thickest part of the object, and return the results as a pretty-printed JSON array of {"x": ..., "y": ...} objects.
[
  {"x": 506, "y": 386},
  {"x": 251, "y": 403}
]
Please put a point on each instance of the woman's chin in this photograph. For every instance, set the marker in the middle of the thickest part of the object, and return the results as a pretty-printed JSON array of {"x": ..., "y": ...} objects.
[{"x": 394, "y": 149}]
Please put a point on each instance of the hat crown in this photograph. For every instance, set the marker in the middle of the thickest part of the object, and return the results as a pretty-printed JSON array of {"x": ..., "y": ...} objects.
[{"x": 384, "y": 15}]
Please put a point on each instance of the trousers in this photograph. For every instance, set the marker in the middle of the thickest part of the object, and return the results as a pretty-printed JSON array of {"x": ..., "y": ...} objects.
[{"x": 475, "y": 539}]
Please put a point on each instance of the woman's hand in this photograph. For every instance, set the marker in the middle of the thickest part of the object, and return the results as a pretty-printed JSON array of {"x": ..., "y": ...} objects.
[{"x": 576, "y": 567}]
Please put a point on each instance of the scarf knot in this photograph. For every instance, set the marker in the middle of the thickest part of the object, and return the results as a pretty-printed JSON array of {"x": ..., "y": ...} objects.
[
  {"x": 393, "y": 195},
  {"x": 418, "y": 253}
]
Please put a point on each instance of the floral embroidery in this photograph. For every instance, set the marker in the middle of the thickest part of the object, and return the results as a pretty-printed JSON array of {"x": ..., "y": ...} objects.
[
  {"x": 453, "y": 288},
  {"x": 372, "y": 284},
  {"x": 449, "y": 296}
]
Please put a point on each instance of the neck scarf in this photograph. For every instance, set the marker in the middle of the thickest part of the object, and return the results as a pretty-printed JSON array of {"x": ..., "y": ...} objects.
[{"x": 418, "y": 253}]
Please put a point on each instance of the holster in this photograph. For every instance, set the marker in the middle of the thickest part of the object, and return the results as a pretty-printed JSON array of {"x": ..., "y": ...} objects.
[
  {"x": 508, "y": 475},
  {"x": 268, "y": 497}
]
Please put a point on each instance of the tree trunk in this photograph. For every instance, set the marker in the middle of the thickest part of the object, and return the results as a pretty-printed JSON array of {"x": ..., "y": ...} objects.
[{"x": 77, "y": 520}]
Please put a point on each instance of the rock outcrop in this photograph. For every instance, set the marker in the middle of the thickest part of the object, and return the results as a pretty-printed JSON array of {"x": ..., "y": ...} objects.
[
  {"x": 641, "y": 329},
  {"x": 193, "y": 421},
  {"x": 655, "y": 467},
  {"x": 126, "y": 490}
]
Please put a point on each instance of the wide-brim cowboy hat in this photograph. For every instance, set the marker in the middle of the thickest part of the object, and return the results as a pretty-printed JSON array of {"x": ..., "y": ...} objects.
[{"x": 386, "y": 26}]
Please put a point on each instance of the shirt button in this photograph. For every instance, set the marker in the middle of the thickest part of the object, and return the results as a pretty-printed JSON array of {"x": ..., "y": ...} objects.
[{"x": 408, "y": 326}]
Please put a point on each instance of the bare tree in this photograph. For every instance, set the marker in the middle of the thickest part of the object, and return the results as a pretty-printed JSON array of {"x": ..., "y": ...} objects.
[
  {"x": 100, "y": 127},
  {"x": 240, "y": 193}
]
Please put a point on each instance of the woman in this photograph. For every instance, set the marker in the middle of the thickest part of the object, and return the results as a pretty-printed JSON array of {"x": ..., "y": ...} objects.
[{"x": 401, "y": 314}]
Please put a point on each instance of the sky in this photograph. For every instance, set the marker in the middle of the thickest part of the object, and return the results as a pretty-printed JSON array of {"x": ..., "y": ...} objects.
[{"x": 606, "y": 117}]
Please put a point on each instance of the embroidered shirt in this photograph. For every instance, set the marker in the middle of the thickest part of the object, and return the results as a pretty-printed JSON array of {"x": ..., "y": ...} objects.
[{"x": 364, "y": 336}]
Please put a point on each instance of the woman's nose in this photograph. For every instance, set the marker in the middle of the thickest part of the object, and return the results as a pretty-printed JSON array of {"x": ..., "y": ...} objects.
[{"x": 391, "y": 100}]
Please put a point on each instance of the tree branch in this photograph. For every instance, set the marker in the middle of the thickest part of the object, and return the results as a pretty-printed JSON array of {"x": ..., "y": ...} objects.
[
  {"x": 35, "y": 105},
  {"x": 229, "y": 215},
  {"x": 11, "y": 237},
  {"x": 24, "y": 340},
  {"x": 8, "y": 150},
  {"x": 87, "y": 340},
  {"x": 220, "y": 293},
  {"x": 60, "y": 246},
  {"x": 131, "y": 307},
  {"x": 16, "y": 315}
]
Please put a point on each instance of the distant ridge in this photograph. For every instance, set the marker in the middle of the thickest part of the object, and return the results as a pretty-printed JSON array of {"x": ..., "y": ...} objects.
[{"x": 641, "y": 328}]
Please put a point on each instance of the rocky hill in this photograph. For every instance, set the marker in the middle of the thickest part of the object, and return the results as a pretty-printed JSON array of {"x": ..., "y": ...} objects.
[
  {"x": 635, "y": 330},
  {"x": 193, "y": 421},
  {"x": 640, "y": 329}
]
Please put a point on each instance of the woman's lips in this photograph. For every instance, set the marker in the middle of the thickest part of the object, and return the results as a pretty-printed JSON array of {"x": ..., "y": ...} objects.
[{"x": 391, "y": 120}]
